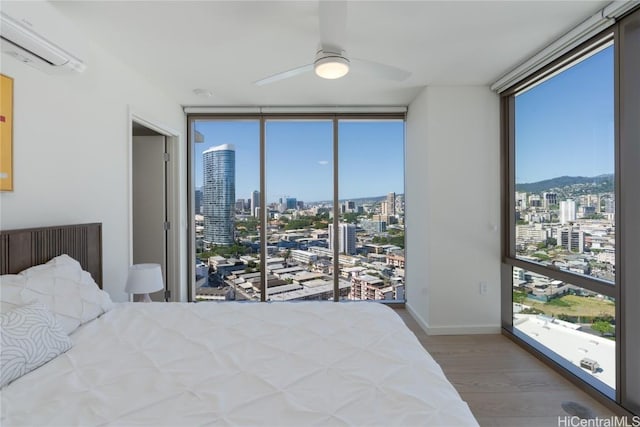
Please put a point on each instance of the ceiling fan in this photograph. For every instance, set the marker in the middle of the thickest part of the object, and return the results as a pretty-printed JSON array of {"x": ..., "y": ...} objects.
[{"x": 331, "y": 60}]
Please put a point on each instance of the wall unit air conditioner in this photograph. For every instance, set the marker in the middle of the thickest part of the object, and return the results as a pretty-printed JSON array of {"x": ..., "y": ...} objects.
[{"x": 22, "y": 43}]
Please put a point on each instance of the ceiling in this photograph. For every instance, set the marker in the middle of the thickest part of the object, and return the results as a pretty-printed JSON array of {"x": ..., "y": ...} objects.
[{"x": 225, "y": 46}]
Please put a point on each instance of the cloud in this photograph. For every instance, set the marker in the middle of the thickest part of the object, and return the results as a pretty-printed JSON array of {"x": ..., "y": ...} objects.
[{"x": 323, "y": 162}]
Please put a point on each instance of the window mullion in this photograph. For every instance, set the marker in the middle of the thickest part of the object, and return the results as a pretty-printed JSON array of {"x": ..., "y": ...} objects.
[
  {"x": 336, "y": 215},
  {"x": 263, "y": 213}
]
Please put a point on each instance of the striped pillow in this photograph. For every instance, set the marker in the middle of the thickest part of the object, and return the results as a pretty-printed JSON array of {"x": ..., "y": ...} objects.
[{"x": 31, "y": 337}]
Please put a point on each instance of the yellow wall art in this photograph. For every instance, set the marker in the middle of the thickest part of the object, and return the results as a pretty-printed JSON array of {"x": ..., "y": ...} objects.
[{"x": 6, "y": 133}]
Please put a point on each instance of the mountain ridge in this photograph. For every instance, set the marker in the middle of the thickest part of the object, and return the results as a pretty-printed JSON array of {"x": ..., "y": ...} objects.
[{"x": 605, "y": 181}]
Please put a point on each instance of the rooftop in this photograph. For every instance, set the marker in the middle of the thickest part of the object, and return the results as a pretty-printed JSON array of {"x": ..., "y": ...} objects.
[{"x": 571, "y": 344}]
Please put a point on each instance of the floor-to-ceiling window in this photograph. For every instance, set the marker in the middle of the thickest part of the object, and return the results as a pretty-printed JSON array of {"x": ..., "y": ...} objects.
[
  {"x": 371, "y": 193},
  {"x": 564, "y": 211},
  {"x": 569, "y": 213},
  {"x": 298, "y": 207},
  {"x": 299, "y": 183},
  {"x": 226, "y": 207}
]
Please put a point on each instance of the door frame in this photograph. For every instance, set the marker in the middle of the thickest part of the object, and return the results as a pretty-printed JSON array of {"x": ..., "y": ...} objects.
[{"x": 172, "y": 139}]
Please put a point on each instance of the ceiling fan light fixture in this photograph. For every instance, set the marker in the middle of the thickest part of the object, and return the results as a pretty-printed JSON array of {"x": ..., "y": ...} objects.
[{"x": 331, "y": 66}]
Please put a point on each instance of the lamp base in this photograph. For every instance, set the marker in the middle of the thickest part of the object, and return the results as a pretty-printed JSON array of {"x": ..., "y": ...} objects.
[{"x": 141, "y": 298}]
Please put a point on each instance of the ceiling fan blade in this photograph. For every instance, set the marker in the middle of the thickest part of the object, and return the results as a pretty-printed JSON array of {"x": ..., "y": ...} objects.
[
  {"x": 333, "y": 24},
  {"x": 284, "y": 75},
  {"x": 383, "y": 71}
]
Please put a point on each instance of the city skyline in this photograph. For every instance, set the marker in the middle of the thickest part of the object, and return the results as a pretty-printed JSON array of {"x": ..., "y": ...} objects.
[{"x": 312, "y": 160}]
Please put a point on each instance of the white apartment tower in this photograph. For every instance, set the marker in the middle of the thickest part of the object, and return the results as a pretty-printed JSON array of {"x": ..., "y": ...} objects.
[
  {"x": 347, "y": 238},
  {"x": 567, "y": 211},
  {"x": 219, "y": 194}
]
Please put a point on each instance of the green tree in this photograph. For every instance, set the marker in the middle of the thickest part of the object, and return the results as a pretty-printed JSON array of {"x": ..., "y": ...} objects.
[
  {"x": 603, "y": 327},
  {"x": 351, "y": 217},
  {"x": 298, "y": 223},
  {"x": 379, "y": 240},
  {"x": 519, "y": 296},
  {"x": 324, "y": 216},
  {"x": 251, "y": 224},
  {"x": 397, "y": 241}
]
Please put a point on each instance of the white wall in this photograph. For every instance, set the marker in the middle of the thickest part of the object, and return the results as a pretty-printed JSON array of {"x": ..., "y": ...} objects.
[
  {"x": 453, "y": 215},
  {"x": 71, "y": 143}
]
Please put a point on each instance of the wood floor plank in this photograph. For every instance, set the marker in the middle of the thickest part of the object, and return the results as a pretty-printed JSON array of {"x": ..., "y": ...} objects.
[
  {"x": 528, "y": 404},
  {"x": 503, "y": 384},
  {"x": 507, "y": 382}
]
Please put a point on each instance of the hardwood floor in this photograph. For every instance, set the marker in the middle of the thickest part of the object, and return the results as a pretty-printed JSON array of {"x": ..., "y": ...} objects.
[{"x": 502, "y": 383}]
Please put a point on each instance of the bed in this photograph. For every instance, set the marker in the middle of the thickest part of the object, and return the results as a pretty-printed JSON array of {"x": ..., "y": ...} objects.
[{"x": 248, "y": 364}]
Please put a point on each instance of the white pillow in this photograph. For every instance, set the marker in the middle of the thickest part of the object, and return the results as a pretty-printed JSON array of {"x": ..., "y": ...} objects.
[
  {"x": 69, "y": 292},
  {"x": 30, "y": 337}
]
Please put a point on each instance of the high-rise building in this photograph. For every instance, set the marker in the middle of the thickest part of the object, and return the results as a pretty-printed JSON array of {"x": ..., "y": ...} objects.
[
  {"x": 346, "y": 238},
  {"x": 198, "y": 202},
  {"x": 535, "y": 201},
  {"x": 549, "y": 199},
  {"x": 391, "y": 204},
  {"x": 373, "y": 226},
  {"x": 521, "y": 200},
  {"x": 219, "y": 194},
  {"x": 255, "y": 202},
  {"x": 348, "y": 207},
  {"x": 400, "y": 204},
  {"x": 291, "y": 203},
  {"x": 567, "y": 211},
  {"x": 570, "y": 239},
  {"x": 609, "y": 205}
]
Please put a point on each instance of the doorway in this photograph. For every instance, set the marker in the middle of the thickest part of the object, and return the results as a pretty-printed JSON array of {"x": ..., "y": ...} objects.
[{"x": 151, "y": 211}]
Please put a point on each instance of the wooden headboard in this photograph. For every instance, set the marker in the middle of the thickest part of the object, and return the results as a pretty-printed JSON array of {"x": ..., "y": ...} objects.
[{"x": 21, "y": 249}]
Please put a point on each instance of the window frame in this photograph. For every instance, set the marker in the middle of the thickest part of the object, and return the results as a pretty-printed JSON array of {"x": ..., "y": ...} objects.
[
  {"x": 263, "y": 118},
  {"x": 625, "y": 399}
]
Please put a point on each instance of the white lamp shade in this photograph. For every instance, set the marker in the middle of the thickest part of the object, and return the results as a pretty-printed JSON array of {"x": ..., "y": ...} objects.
[{"x": 144, "y": 279}]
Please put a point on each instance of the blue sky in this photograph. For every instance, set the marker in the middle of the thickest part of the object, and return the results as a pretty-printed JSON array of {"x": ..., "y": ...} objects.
[
  {"x": 299, "y": 157},
  {"x": 565, "y": 126}
]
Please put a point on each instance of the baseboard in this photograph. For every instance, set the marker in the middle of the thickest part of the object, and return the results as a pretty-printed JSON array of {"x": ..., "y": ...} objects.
[{"x": 453, "y": 330}]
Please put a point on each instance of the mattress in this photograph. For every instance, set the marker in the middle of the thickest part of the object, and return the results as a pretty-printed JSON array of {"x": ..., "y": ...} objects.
[{"x": 245, "y": 364}]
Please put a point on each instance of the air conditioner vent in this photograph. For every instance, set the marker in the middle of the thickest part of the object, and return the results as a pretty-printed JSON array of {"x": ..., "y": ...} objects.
[{"x": 25, "y": 45}]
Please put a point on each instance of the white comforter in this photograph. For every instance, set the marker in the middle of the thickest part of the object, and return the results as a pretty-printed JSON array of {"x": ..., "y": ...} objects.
[{"x": 277, "y": 364}]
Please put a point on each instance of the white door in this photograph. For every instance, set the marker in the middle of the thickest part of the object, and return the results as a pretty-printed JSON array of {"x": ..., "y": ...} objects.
[{"x": 149, "y": 204}]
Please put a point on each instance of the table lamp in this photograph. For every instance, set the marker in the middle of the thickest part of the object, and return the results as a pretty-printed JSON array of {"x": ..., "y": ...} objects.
[{"x": 144, "y": 279}]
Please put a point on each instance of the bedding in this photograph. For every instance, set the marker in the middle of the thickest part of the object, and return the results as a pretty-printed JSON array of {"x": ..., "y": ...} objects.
[
  {"x": 271, "y": 364},
  {"x": 62, "y": 285},
  {"x": 30, "y": 337}
]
